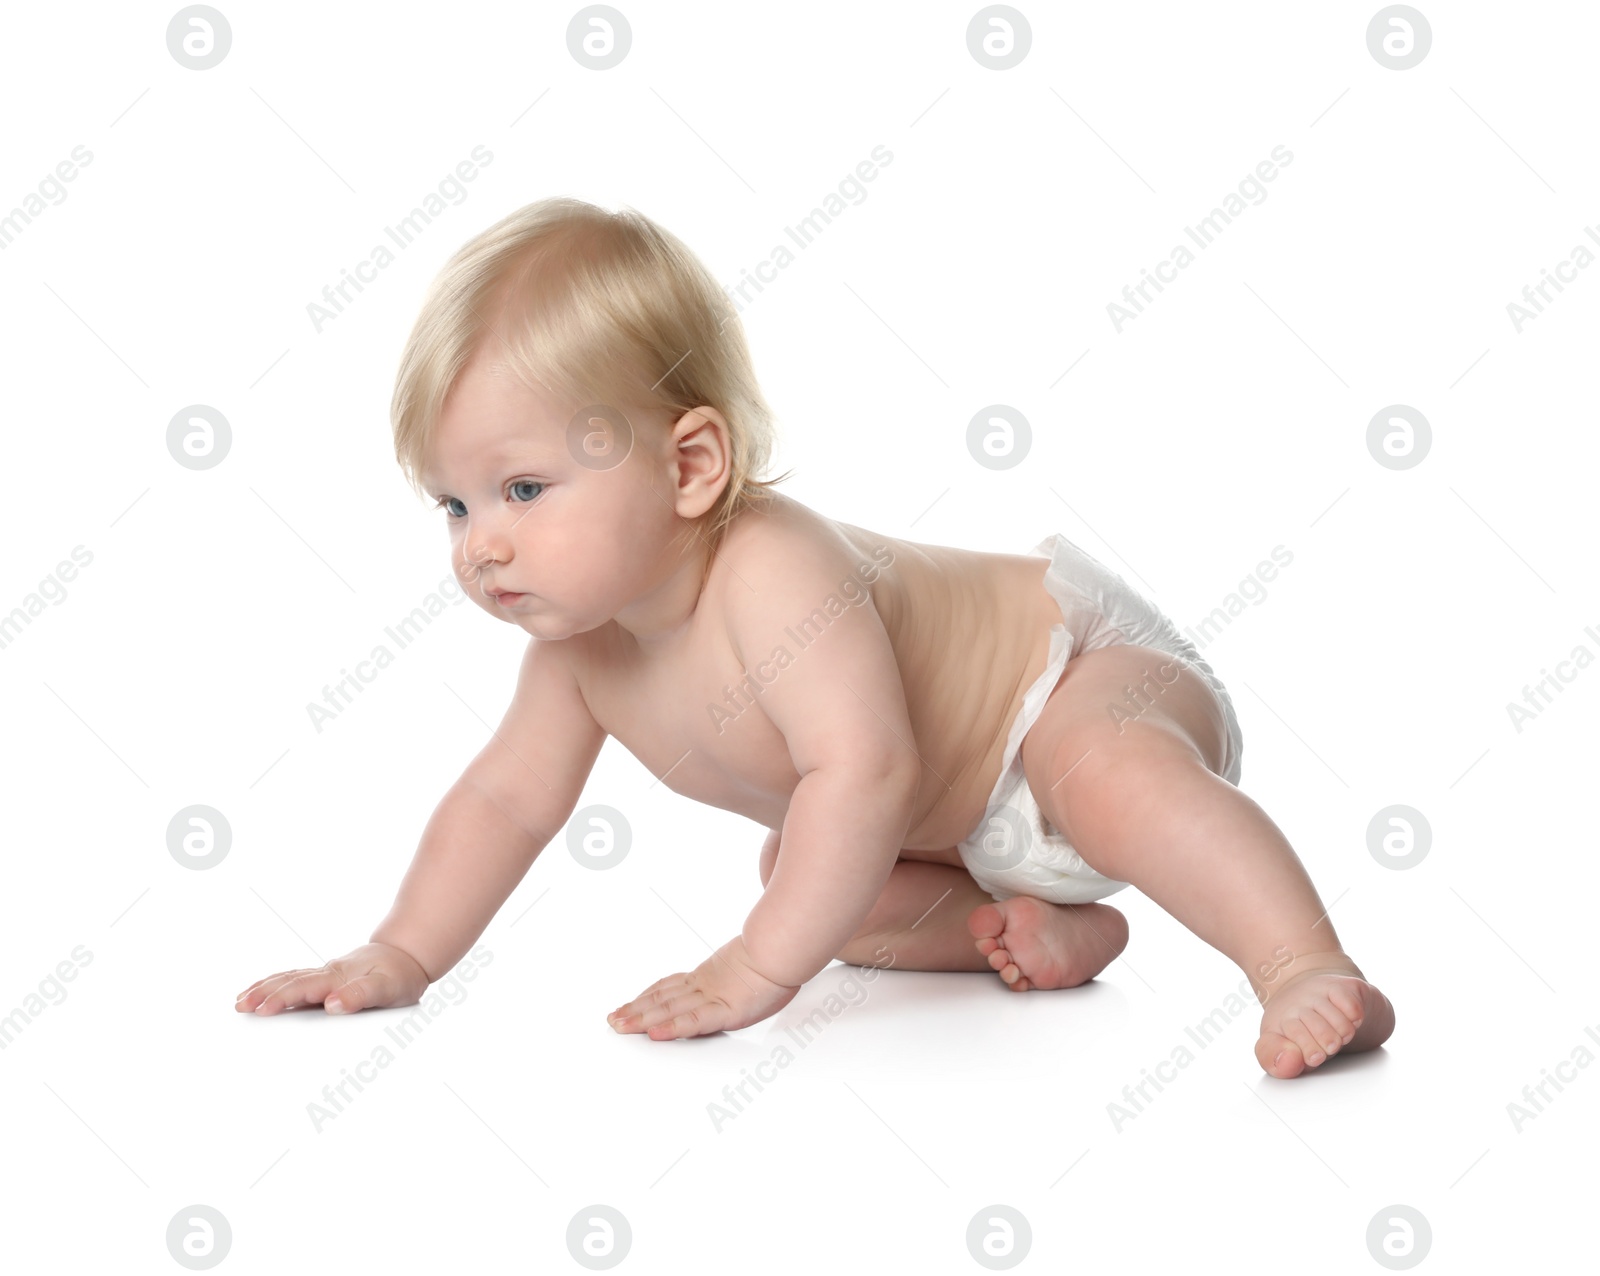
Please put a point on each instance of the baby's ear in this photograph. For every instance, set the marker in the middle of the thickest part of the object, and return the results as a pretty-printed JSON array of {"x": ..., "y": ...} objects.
[{"x": 703, "y": 452}]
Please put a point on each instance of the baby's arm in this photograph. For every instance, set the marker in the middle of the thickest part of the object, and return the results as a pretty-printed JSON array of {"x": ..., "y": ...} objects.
[
  {"x": 842, "y": 711},
  {"x": 490, "y": 827},
  {"x": 840, "y": 705},
  {"x": 480, "y": 842}
]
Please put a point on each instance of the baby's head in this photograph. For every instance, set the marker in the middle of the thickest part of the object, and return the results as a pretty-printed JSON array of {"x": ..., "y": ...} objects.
[{"x": 578, "y": 395}]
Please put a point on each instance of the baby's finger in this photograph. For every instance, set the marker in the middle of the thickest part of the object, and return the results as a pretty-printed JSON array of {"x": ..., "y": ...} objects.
[
  {"x": 709, "y": 1016},
  {"x": 651, "y": 1014},
  {"x": 306, "y": 987},
  {"x": 374, "y": 989},
  {"x": 626, "y": 1018},
  {"x": 664, "y": 987},
  {"x": 650, "y": 996},
  {"x": 257, "y": 992}
]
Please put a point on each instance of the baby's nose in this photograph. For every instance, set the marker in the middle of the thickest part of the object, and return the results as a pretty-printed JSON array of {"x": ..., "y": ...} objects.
[{"x": 488, "y": 546}]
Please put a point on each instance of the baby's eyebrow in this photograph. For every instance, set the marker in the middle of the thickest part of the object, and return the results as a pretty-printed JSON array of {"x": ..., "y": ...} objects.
[{"x": 521, "y": 454}]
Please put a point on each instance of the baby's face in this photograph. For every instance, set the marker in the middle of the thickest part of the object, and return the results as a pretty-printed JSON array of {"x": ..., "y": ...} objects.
[{"x": 574, "y": 537}]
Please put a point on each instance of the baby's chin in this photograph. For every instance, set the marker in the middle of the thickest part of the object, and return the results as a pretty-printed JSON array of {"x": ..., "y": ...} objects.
[{"x": 552, "y": 626}]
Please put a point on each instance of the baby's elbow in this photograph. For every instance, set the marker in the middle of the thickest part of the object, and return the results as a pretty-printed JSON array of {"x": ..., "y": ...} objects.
[
  {"x": 886, "y": 778},
  {"x": 891, "y": 777}
]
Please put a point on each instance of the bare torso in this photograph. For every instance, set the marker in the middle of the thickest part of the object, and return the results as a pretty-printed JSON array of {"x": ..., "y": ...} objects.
[{"x": 970, "y": 632}]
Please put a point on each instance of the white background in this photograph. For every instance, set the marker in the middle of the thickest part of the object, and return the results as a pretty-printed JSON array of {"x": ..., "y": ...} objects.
[{"x": 1229, "y": 418}]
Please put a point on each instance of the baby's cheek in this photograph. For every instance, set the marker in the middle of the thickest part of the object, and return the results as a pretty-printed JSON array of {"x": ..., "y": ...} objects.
[{"x": 468, "y": 574}]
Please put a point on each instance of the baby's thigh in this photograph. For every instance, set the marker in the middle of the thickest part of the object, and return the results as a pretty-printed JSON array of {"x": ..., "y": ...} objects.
[{"x": 1124, "y": 702}]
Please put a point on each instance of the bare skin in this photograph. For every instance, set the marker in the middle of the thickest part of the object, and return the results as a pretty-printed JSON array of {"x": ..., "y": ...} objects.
[{"x": 852, "y": 693}]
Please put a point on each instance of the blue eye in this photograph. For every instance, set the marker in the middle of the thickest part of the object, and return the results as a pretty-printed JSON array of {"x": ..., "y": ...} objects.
[{"x": 446, "y": 503}]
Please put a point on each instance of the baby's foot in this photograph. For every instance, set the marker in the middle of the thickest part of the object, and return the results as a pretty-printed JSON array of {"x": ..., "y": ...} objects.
[
  {"x": 1319, "y": 1011},
  {"x": 1036, "y": 944}
]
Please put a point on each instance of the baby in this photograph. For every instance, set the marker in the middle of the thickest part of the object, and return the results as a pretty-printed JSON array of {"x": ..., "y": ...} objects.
[{"x": 955, "y": 754}]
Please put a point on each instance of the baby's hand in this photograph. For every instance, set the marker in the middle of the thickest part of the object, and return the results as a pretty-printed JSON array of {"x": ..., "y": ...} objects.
[
  {"x": 371, "y": 976},
  {"x": 723, "y": 991}
]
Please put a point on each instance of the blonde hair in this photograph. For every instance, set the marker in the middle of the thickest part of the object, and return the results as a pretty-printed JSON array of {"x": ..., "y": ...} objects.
[{"x": 591, "y": 297}]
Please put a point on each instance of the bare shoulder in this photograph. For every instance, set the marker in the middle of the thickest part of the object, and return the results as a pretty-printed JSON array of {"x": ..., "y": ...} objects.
[
  {"x": 783, "y": 531},
  {"x": 799, "y": 614},
  {"x": 783, "y": 556},
  {"x": 776, "y": 518}
]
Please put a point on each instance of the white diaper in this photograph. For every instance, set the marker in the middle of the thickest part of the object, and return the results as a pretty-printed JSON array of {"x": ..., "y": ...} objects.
[{"x": 1015, "y": 850}]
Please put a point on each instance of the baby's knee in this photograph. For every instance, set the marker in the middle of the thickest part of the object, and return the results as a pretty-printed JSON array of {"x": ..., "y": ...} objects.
[
  {"x": 1109, "y": 925},
  {"x": 1100, "y": 792}
]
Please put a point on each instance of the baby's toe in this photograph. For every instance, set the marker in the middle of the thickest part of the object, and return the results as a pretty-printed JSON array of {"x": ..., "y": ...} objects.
[
  {"x": 1299, "y": 1032},
  {"x": 986, "y": 922},
  {"x": 1279, "y": 1056},
  {"x": 1323, "y": 1024},
  {"x": 1351, "y": 1007},
  {"x": 1343, "y": 1029}
]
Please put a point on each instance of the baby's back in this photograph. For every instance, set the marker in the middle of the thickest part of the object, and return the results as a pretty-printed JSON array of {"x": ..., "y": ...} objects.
[{"x": 969, "y": 633}]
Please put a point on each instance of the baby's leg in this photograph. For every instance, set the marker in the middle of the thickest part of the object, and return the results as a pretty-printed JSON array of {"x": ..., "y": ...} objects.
[
  {"x": 920, "y": 922},
  {"x": 1141, "y": 802}
]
